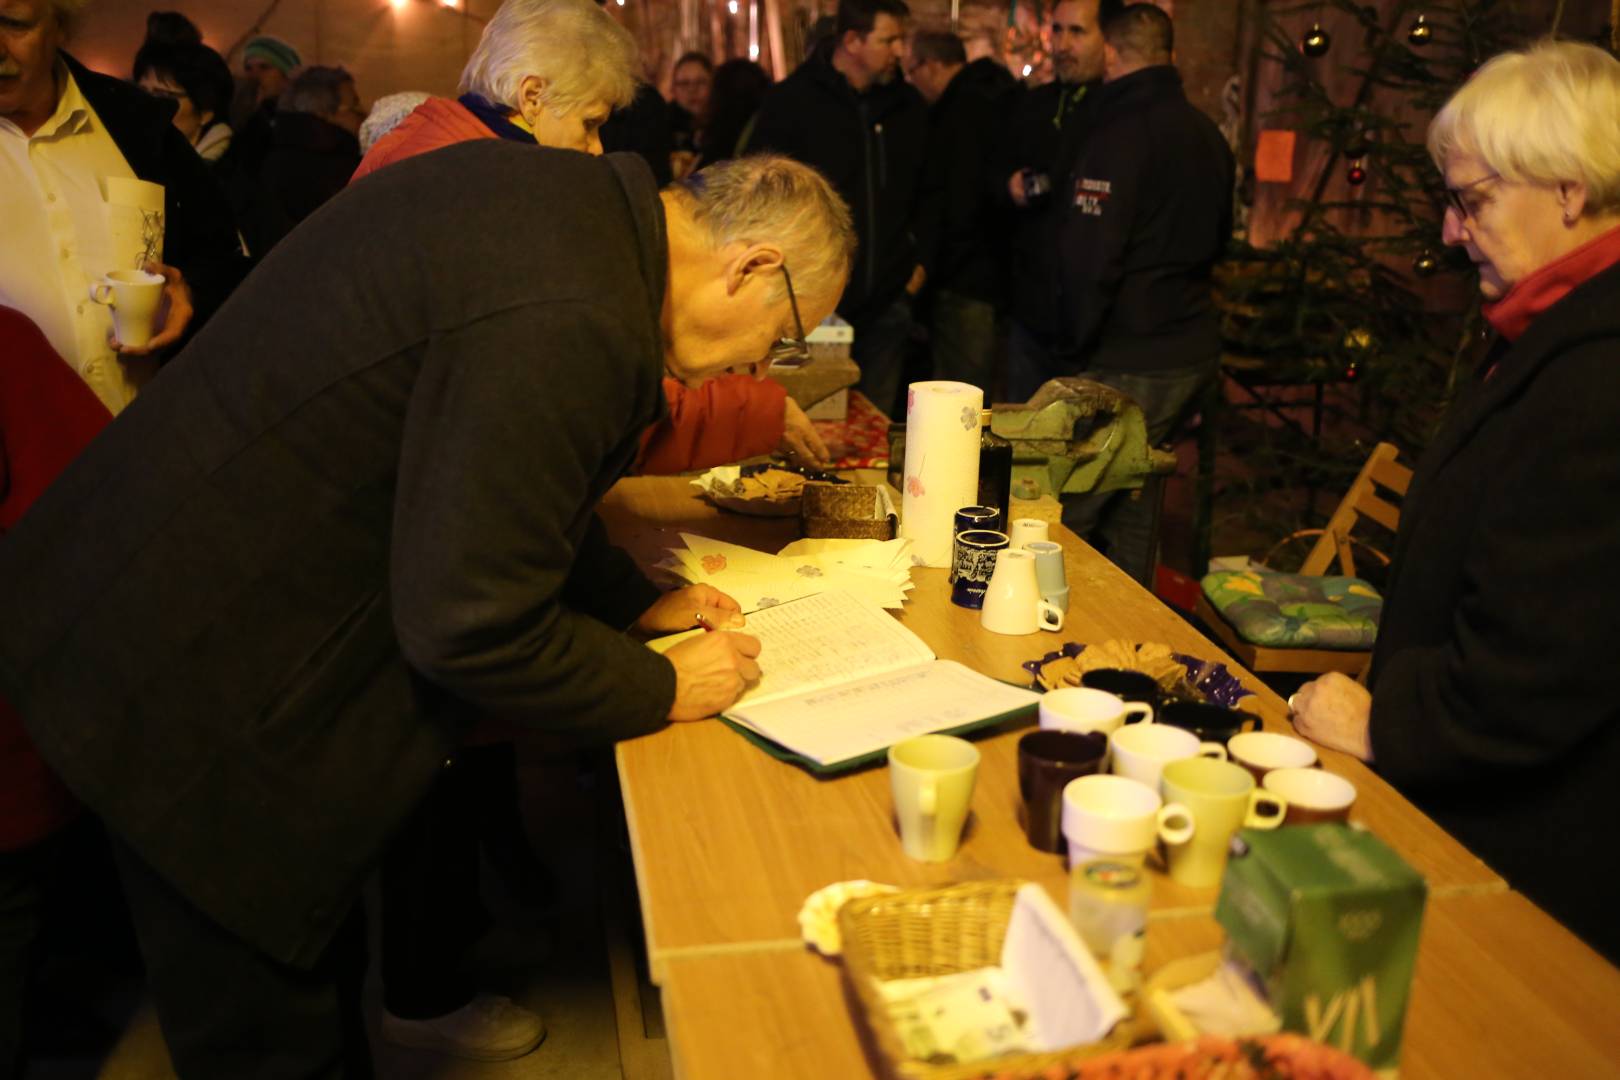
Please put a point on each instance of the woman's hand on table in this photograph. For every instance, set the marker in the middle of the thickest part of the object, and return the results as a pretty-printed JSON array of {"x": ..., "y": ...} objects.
[
  {"x": 680, "y": 610},
  {"x": 711, "y": 672},
  {"x": 800, "y": 440},
  {"x": 1335, "y": 711}
]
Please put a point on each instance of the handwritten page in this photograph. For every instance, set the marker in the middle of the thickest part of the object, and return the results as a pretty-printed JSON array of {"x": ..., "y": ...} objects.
[
  {"x": 864, "y": 715},
  {"x": 823, "y": 640}
]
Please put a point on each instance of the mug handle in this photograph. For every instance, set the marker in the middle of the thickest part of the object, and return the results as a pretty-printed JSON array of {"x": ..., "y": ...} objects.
[
  {"x": 1212, "y": 750},
  {"x": 1049, "y": 616},
  {"x": 101, "y": 292},
  {"x": 927, "y": 798},
  {"x": 1141, "y": 710},
  {"x": 1176, "y": 824},
  {"x": 1274, "y": 805}
]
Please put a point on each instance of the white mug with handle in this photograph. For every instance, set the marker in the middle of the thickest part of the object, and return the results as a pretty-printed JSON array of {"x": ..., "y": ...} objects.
[
  {"x": 1012, "y": 601},
  {"x": 134, "y": 296}
]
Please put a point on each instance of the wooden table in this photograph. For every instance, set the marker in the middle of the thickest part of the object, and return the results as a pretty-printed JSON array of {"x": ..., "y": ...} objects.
[
  {"x": 1501, "y": 991},
  {"x": 728, "y": 842}
]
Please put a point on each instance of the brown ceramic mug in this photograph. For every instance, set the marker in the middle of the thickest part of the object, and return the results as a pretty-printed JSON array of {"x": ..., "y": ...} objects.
[
  {"x": 1314, "y": 796},
  {"x": 1047, "y": 761}
]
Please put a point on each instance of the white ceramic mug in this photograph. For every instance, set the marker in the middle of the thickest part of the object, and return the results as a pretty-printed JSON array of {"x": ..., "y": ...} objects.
[
  {"x": 1080, "y": 708},
  {"x": 1109, "y": 816},
  {"x": 931, "y": 778},
  {"x": 1012, "y": 602},
  {"x": 1262, "y": 751},
  {"x": 134, "y": 296},
  {"x": 1141, "y": 751},
  {"x": 1314, "y": 795},
  {"x": 1025, "y": 531}
]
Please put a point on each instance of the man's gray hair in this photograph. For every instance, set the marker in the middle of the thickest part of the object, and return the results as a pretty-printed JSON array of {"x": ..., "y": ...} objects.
[
  {"x": 576, "y": 47},
  {"x": 1541, "y": 115},
  {"x": 315, "y": 90},
  {"x": 766, "y": 198},
  {"x": 939, "y": 45}
]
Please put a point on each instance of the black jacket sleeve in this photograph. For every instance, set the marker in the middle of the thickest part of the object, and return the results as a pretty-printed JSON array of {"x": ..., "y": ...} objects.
[
  {"x": 501, "y": 461},
  {"x": 1534, "y": 633},
  {"x": 201, "y": 239}
]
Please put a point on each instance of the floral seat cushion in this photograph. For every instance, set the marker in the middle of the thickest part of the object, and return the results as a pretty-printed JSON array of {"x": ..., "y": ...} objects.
[{"x": 1296, "y": 611}]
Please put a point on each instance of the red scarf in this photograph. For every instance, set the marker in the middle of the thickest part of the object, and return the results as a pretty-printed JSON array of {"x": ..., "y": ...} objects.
[{"x": 1511, "y": 316}]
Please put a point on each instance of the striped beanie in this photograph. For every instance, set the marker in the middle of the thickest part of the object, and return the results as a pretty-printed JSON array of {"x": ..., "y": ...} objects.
[{"x": 273, "y": 51}]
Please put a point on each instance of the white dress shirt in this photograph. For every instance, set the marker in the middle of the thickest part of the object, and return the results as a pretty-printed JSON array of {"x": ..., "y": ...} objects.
[{"x": 55, "y": 240}]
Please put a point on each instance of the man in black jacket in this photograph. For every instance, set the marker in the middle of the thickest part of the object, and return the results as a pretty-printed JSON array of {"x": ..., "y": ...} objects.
[
  {"x": 239, "y": 624},
  {"x": 846, "y": 112},
  {"x": 1042, "y": 137},
  {"x": 1146, "y": 214},
  {"x": 67, "y": 131},
  {"x": 957, "y": 210}
]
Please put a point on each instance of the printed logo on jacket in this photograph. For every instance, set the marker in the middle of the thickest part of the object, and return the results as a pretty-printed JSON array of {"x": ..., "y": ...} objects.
[{"x": 1090, "y": 196}]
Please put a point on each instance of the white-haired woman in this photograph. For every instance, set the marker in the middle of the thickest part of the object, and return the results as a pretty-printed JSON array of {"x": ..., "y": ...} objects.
[
  {"x": 545, "y": 71},
  {"x": 1492, "y": 701}
]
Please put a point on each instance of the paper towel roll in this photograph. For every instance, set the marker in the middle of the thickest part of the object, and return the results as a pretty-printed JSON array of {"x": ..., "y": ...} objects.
[{"x": 942, "y": 465}]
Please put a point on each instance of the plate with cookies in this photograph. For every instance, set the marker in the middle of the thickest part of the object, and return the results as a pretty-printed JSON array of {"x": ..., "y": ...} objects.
[
  {"x": 1180, "y": 676},
  {"x": 763, "y": 490}
]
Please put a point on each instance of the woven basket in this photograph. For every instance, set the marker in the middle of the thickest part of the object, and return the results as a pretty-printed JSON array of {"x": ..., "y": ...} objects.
[
  {"x": 924, "y": 932},
  {"x": 846, "y": 511}
]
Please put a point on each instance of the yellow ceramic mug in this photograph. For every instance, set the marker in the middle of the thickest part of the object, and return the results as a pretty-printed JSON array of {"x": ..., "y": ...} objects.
[
  {"x": 932, "y": 780},
  {"x": 1206, "y": 803}
]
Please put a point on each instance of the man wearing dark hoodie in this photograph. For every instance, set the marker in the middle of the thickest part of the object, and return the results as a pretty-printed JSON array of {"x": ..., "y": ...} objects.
[
  {"x": 846, "y": 112},
  {"x": 957, "y": 206}
]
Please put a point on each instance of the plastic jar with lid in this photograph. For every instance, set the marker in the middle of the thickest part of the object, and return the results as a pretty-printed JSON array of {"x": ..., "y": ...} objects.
[{"x": 1108, "y": 905}]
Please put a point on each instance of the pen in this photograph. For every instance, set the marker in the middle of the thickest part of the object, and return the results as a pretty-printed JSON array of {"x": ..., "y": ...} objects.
[{"x": 701, "y": 621}]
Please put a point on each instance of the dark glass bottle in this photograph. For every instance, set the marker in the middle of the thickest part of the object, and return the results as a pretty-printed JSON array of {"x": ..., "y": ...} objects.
[{"x": 995, "y": 470}]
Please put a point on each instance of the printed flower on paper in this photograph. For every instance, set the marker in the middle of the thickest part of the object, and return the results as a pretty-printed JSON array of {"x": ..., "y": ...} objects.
[
  {"x": 914, "y": 485},
  {"x": 768, "y": 601},
  {"x": 911, "y": 400},
  {"x": 713, "y": 564},
  {"x": 970, "y": 418},
  {"x": 809, "y": 571}
]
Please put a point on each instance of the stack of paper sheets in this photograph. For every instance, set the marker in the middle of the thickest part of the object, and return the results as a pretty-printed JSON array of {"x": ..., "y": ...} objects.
[{"x": 875, "y": 570}]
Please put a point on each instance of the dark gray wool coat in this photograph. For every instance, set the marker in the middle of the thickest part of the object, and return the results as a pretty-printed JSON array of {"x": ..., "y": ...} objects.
[{"x": 369, "y": 482}]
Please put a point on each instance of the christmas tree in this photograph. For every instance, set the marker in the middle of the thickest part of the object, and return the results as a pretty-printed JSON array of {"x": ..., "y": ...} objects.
[{"x": 1345, "y": 289}]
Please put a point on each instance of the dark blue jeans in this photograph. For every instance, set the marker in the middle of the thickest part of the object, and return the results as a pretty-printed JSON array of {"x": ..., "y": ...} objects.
[
  {"x": 962, "y": 337},
  {"x": 1124, "y": 525},
  {"x": 881, "y": 342}
]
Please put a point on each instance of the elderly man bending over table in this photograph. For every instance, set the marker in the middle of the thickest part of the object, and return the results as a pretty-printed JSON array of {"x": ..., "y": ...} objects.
[
  {"x": 1493, "y": 700},
  {"x": 367, "y": 486}
]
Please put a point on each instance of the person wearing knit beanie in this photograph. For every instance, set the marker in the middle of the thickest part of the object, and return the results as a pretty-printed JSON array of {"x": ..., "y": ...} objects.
[{"x": 268, "y": 61}]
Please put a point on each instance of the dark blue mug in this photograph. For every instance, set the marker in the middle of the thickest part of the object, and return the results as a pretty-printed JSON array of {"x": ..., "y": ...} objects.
[
  {"x": 973, "y": 560},
  {"x": 971, "y": 517}
]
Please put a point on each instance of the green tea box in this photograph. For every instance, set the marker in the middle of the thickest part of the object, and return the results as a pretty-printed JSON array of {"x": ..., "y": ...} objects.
[{"x": 1327, "y": 917}]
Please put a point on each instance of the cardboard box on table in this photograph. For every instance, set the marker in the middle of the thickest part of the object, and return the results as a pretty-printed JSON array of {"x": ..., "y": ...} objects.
[
  {"x": 821, "y": 386},
  {"x": 1328, "y": 917}
]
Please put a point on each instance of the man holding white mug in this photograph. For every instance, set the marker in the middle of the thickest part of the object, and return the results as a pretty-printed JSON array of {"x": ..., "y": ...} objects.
[{"x": 65, "y": 134}]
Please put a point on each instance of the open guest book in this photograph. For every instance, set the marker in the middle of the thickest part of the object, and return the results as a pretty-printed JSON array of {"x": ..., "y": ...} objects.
[{"x": 842, "y": 681}]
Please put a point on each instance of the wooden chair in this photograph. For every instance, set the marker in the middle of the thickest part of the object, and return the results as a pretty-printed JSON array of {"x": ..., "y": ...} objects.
[{"x": 1365, "y": 499}]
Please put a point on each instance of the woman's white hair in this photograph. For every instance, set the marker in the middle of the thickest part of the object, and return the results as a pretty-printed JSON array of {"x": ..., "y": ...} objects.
[
  {"x": 1543, "y": 115},
  {"x": 765, "y": 198},
  {"x": 576, "y": 47}
]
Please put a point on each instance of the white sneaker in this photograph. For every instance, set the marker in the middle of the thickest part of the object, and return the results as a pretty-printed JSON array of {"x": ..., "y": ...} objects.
[{"x": 488, "y": 1028}]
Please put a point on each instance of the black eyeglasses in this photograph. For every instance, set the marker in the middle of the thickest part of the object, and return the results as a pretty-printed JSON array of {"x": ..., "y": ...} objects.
[
  {"x": 1454, "y": 196},
  {"x": 793, "y": 351}
]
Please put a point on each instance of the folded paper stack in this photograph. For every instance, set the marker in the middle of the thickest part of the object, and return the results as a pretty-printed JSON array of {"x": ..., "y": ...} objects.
[{"x": 879, "y": 571}]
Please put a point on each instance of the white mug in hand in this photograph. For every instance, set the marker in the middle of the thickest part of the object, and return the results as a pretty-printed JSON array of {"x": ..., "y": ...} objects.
[{"x": 134, "y": 296}]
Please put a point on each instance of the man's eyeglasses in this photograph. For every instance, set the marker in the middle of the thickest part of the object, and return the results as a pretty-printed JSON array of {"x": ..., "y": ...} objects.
[
  {"x": 793, "y": 351},
  {"x": 1455, "y": 196}
]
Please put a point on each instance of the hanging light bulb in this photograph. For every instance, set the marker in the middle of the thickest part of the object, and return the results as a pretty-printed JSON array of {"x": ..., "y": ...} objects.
[
  {"x": 1316, "y": 41},
  {"x": 753, "y": 52},
  {"x": 731, "y": 6},
  {"x": 451, "y": 4},
  {"x": 398, "y": 5},
  {"x": 1027, "y": 69}
]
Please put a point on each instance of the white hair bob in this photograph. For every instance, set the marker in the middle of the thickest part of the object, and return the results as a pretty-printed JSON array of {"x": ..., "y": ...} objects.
[
  {"x": 576, "y": 47},
  {"x": 1542, "y": 115}
]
